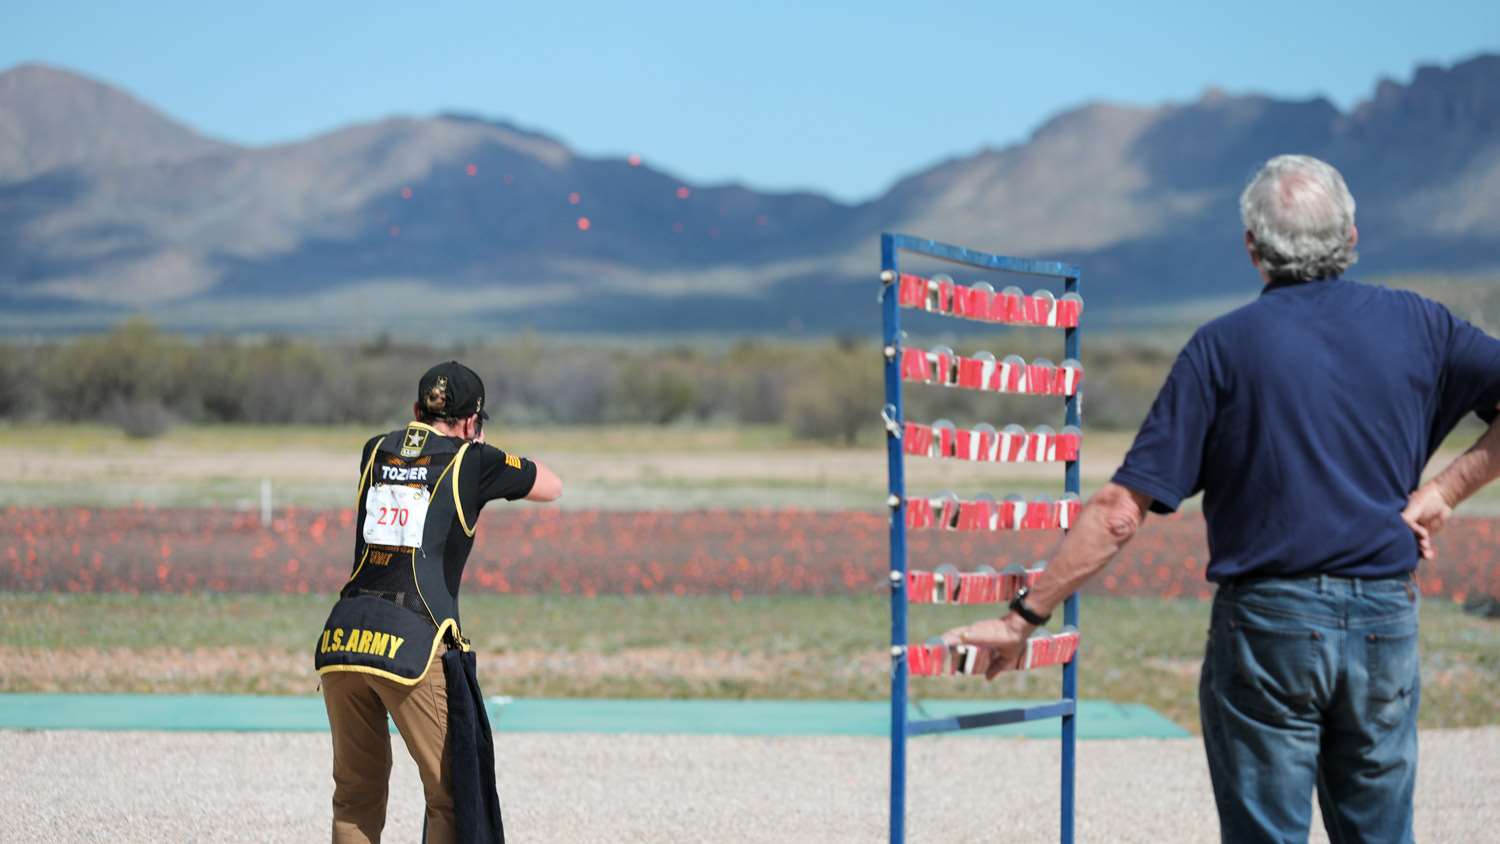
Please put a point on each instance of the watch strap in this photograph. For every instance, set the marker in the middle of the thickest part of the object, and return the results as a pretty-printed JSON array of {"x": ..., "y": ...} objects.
[{"x": 1018, "y": 606}]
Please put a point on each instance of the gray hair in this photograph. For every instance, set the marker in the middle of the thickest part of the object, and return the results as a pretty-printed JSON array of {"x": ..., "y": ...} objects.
[{"x": 1302, "y": 216}]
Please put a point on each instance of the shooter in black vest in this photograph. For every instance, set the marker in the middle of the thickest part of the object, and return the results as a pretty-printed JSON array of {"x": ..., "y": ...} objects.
[{"x": 394, "y": 642}]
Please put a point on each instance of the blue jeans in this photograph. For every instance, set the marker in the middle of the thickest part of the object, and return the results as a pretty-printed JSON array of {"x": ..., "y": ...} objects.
[{"x": 1312, "y": 684}]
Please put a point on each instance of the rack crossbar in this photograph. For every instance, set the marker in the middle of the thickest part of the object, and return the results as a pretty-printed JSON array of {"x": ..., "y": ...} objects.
[
  {"x": 982, "y": 260},
  {"x": 974, "y": 721}
]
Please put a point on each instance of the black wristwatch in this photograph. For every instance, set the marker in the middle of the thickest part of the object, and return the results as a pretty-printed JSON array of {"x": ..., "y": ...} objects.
[{"x": 1018, "y": 606}]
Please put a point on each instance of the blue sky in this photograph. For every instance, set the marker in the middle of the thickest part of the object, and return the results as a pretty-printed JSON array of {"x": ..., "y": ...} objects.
[{"x": 841, "y": 97}]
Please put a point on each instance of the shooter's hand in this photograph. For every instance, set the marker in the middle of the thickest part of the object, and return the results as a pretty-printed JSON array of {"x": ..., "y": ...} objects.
[
  {"x": 1427, "y": 512},
  {"x": 1003, "y": 638}
]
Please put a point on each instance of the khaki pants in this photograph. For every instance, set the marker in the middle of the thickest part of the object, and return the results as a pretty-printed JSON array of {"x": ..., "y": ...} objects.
[{"x": 357, "y": 706}]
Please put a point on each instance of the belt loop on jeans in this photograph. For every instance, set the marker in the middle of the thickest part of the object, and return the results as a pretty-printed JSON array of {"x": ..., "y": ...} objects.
[
  {"x": 1359, "y": 587},
  {"x": 1322, "y": 584}
]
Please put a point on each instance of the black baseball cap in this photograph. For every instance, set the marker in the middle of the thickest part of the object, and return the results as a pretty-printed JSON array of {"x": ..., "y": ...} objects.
[{"x": 452, "y": 391}]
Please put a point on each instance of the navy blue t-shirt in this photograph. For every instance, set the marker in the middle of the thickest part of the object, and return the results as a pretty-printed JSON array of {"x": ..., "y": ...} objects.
[{"x": 1306, "y": 418}]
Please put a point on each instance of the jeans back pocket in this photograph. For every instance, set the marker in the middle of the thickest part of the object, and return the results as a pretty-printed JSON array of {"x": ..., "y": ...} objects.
[
  {"x": 1271, "y": 672},
  {"x": 1393, "y": 663}
]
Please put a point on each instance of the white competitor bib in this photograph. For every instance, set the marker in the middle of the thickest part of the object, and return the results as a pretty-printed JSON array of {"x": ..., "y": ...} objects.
[{"x": 395, "y": 515}]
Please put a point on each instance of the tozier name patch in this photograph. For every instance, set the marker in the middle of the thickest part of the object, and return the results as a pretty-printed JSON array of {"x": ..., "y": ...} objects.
[{"x": 403, "y": 474}]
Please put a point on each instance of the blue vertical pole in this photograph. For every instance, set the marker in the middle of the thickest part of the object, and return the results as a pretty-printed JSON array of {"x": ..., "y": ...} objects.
[
  {"x": 1070, "y": 606},
  {"x": 891, "y": 349}
]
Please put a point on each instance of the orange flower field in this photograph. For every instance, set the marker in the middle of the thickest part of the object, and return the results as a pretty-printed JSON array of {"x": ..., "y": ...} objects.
[{"x": 753, "y": 552}]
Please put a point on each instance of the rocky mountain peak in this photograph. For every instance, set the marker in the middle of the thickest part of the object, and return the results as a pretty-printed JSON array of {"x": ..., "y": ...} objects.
[
  {"x": 1466, "y": 95},
  {"x": 51, "y": 118},
  {"x": 108, "y": 205}
]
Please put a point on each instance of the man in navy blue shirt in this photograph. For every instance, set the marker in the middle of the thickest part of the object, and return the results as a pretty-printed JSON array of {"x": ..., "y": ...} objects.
[{"x": 1305, "y": 418}]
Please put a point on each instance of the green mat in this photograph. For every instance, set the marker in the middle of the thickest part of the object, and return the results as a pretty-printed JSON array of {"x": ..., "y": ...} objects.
[{"x": 247, "y": 713}]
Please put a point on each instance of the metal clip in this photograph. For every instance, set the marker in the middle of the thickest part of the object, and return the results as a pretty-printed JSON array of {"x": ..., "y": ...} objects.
[{"x": 888, "y": 413}]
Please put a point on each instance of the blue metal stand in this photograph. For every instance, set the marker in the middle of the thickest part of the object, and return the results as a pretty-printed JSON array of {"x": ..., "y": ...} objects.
[{"x": 901, "y": 726}]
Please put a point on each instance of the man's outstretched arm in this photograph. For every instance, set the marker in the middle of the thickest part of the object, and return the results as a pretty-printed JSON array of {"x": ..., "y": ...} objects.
[
  {"x": 1109, "y": 520},
  {"x": 1429, "y": 508}
]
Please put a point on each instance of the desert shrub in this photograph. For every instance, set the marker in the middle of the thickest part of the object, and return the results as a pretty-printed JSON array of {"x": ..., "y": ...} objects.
[
  {"x": 140, "y": 418},
  {"x": 757, "y": 375},
  {"x": 89, "y": 377},
  {"x": 16, "y": 388},
  {"x": 839, "y": 394},
  {"x": 572, "y": 391},
  {"x": 659, "y": 387}
]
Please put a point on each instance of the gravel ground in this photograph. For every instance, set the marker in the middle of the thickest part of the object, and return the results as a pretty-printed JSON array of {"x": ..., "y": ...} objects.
[{"x": 86, "y": 786}]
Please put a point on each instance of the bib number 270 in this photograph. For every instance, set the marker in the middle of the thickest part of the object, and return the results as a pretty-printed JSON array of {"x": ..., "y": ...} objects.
[{"x": 395, "y": 515}]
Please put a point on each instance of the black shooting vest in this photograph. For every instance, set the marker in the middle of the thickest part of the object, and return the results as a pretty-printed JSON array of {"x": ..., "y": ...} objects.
[
  {"x": 411, "y": 542},
  {"x": 400, "y": 602}
]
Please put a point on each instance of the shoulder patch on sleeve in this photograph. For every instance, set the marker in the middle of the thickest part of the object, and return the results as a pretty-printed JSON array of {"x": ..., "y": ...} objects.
[{"x": 512, "y": 461}]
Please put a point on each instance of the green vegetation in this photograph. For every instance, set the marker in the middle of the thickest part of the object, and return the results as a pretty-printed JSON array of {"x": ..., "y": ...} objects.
[
  {"x": 144, "y": 381},
  {"x": 1136, "y": 650},
  {"x": 92, "y": 438}
]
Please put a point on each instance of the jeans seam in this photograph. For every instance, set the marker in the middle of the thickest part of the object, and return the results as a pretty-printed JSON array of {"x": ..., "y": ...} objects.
[
  {"x": 1276, "y": 633},
  {"x": 1404, "y": 615},
  {"x": 1308, "y": 618},
  {"x": 1332, "y": 823}
]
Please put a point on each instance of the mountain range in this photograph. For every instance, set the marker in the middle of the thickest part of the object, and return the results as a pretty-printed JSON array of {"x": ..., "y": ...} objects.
[{"x": 456, "y": 223}]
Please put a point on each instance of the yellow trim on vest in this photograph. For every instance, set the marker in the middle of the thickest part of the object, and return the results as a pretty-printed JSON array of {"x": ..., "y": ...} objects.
[
  {"x": 438, "y": 484},
  {"x": 362, "y": 558},
  {"x": 364, "y": 477},
  {"x": 458, "y": 503},
  {"x": 358, "y": 502},
  {"x": 418, "y": 582},
  {"x": 405, "y": 681},
  {"x": 435, "y": 487}
]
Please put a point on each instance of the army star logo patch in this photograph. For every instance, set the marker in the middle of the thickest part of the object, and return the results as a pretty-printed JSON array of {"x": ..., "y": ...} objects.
[{"x": 416, "y": 440}]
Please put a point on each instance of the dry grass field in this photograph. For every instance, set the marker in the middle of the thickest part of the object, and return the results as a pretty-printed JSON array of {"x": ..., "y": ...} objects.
[
  {"x": 692, "y": 562},
  {"x": 635, "y": 468},
  {"x": 1136, "y": 650},
  {"x": 608, "y": 468}
]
